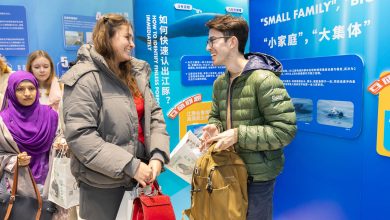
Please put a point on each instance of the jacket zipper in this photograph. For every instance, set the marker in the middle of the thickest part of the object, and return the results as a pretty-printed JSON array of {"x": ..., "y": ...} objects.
[{"x": 230, "y": 99}]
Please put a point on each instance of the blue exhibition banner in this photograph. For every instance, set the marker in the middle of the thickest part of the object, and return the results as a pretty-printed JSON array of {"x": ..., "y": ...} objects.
[
  {"x": 325, "y": 176},
  {"x": 386, "y": 141},
  {"x": 171, "y": 36},
  {"x": 327, "y": 93},
  {"x": 199, "y": 70},
  {"x": 77, "y": 30},
  {"x": 13, "y": 31}
]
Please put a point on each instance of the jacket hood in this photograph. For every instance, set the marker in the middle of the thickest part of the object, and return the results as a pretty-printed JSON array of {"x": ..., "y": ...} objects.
[
  {"x": 88, "y": 60},
  {"x": 84, "y": 65},
  {"x": 263, "y": 61}
]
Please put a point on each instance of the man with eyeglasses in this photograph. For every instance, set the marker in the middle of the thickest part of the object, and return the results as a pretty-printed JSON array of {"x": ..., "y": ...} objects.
[{"x": 251, "y": 110}]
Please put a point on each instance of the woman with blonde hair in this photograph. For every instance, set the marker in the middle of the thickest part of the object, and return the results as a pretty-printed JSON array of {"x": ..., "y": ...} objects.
[
  {"x": 114, "y": 126},
  {"x": 41, "y": 65},
  {"x": 5, "y": 70}
]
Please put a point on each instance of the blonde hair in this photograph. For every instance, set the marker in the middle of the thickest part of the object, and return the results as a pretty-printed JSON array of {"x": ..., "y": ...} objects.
[
  {"x": 104, "y": 30},
  {"x": 4, "y": 68},
  {"x": 33, "y": 56}
]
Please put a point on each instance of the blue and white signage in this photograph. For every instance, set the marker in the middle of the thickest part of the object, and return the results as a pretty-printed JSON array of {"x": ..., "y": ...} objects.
[
  {"x": 327, "y": 93},
  {"x": 13, "y": 31},
  {"x": 77, "y": 30},
  {"x": 199, "y": 70}
]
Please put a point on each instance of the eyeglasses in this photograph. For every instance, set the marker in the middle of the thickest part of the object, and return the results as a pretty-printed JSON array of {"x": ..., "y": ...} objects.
[{"x": 211, "y": 40}]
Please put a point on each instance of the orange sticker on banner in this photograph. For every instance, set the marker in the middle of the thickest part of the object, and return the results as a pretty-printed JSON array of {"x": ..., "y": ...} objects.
[
  {"x": 184, "y": 104},
  {"x": 383, "y": 133},
  {"x": 196, "y": 114},
  {"x": 380, "y": 84}
]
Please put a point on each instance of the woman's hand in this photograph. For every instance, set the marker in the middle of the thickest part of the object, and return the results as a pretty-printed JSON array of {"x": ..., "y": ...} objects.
[
  {"x": 143, "y": 174},
  {"x": 23, "y": 159},
  {"x": 60, "y": 144},
  {"x": 155, "y": 166}
]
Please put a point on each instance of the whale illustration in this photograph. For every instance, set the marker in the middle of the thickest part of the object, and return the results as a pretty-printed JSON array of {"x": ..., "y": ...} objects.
[
  {"x": 300, "y": 108},
  {"x": 335, "y": 113},
  {"x": 191, "y": 26}
]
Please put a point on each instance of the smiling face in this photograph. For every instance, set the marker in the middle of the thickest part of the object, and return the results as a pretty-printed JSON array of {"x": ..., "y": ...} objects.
[
  {"x": 122, "y": 44},
  {"x": 41, "y": 69},
  {"x": 219, "y": 47},
  {"x": 26, "y": 93}
]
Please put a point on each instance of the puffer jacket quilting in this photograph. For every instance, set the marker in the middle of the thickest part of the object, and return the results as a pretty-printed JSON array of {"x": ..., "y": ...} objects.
[
  {"x": 262, "y": 111},
  {"x": 100, "y": 115}
]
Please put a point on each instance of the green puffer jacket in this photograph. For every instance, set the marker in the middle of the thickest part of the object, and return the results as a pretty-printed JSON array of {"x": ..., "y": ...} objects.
[{"x": 262, "y": 111}]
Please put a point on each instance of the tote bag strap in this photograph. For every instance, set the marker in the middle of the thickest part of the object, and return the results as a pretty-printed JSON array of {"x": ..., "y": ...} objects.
[{"x": 15, "y": 189}]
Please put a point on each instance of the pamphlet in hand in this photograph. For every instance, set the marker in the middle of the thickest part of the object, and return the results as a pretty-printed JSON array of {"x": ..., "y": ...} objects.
[{"x": 184, "y": 156}]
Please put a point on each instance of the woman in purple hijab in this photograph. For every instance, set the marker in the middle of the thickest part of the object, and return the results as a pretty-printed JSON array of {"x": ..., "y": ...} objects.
[{"x": 27, "y": 131}]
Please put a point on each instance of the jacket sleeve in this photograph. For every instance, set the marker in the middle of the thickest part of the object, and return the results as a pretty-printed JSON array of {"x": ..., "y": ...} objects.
[
  {"x": 8, "y": 151},
  {"x": 81, "y": 116},
  {"x": 279, "y": 126},
  {"x": 7, "y": 162},
  {"x": 214, "y": 115},
  {"x": 159, "y": 146}
]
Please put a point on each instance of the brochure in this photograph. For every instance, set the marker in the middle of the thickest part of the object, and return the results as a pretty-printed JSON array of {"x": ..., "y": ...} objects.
[{"x": 184, "y": 156}]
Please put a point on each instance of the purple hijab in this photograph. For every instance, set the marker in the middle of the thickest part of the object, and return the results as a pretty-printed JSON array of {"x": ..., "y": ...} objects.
[{"x": 32, "y": 127}]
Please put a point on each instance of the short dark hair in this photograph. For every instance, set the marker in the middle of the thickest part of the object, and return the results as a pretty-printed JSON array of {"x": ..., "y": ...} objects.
[{"x": 231, "y": 26}]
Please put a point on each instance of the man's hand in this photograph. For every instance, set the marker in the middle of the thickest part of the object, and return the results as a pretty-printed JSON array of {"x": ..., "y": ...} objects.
[
  {"x": 209, "y": 131},
  {"x": 23, "y": 159},
  {"x": 224, "y": 140}
]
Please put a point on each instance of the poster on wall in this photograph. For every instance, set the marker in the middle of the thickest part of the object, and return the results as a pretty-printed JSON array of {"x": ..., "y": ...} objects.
[
  {"x": 327, "y": 93},
  {"x": 301, "y": 29},
  {"x": 77, "y": 30},
  {"x": 342, "y": 127},
  {"x": 13, "y": 31},
  {"x": 172, "y": 39},
  {"x": 171, "y": 36},
  {"x": 296, "y": 31},
  {"x": 199, "y": 70},
  {"x": 58, "y": 27}
]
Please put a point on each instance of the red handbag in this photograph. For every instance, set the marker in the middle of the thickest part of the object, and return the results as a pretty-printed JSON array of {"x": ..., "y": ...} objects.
[{"x": 152, "y": 205}]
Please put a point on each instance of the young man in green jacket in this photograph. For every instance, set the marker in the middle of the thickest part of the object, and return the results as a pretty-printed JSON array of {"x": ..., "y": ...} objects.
[{"x": 251, "y": 110}]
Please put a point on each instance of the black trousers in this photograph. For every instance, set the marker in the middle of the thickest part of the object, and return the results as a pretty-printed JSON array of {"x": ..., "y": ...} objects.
[
  {"x": 260, "y": 204},
  {"x": 99, "y": 203}
]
